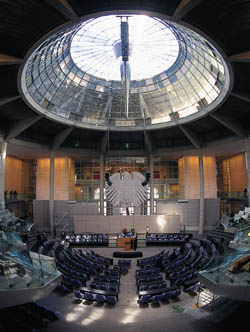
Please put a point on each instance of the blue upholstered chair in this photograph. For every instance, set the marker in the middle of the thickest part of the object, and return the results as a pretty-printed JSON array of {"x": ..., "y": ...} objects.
[
  {"x": 145, "y": 299},
  {"x": 156, "y": 299},
  {"x": 89, "y": 297},
  {"x": 100, "y": 298},
  {"x": 111, "y": 299}
]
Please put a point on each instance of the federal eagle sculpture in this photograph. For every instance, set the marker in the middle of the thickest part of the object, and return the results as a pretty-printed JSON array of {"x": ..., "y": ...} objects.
[{"x": 124, "y": 190}]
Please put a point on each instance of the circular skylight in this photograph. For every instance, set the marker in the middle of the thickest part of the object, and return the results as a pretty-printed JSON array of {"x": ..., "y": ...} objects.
[
  {"x": 136, "y": 71},
  {"x": 154, "y": 47}
]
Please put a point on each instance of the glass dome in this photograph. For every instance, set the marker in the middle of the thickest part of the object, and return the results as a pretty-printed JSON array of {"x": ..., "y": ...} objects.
[
  {"x": 93, "y": 47},
  {"x": 171, "y": 74}
]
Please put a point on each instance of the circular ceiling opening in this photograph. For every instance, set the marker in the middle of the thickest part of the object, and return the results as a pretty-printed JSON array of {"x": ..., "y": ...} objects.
[
  {"x": 96, "y": 47},
  {"x": 120, "y": 71}
]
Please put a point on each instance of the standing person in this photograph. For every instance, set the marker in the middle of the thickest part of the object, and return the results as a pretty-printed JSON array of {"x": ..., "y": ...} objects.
[{"x": 135, "y": 243}]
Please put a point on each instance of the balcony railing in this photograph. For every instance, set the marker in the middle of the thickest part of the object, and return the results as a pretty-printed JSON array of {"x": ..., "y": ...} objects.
[
  {"x": 19, "y": 267},
  {"x": 233, "y": 194}
]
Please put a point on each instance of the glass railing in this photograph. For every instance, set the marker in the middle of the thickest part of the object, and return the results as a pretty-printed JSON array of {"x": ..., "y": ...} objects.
[
  {"x": 20, "y": 268},
  {"x": 218, "y": 272},
  {"x": 32, "y": 272},
  {"x": 11, "y": 223},
  {"x": 242, "y": 234}
]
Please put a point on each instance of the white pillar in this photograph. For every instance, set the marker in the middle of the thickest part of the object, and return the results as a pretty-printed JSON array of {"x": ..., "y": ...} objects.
[
  {"x": 248, "y": 166},
  {"x": 101, "y": 184},
  {"x": 51, "y": 193},
  {"x": 202, "y": 202},
  {"x": 151, "y": 170},
  {"x": 2, "y": 175}
]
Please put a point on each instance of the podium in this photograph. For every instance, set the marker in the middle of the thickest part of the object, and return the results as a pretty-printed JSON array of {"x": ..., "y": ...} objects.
[{"x": 124, "y": 242}]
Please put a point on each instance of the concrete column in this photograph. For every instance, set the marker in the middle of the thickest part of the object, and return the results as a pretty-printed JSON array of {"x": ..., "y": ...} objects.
[
  {"x": 151, "y": 170},
  {"x": 2, "y": 174},
  {"x": 101, "y": 184},
  {"x": 248, "y": 167},
  {"x": 202, "y": 201},
  {"x": 51, "y": 192}
]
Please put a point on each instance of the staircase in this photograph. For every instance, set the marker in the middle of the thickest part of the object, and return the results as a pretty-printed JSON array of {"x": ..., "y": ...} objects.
[{"x": 219, "y": 234}]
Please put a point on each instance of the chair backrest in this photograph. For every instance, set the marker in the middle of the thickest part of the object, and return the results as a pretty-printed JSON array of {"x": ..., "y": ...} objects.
[
  {"x": 111, "y": 299},
  {"x": 156, "y": 298},
  {"x": 89, "y": 296},
  {"x": 100, "y": 298},
  {"x": 145, "y": 298}
]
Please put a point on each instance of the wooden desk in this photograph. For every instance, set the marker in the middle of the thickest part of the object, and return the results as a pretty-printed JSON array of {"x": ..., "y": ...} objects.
[{"x": 124, "y": 242}]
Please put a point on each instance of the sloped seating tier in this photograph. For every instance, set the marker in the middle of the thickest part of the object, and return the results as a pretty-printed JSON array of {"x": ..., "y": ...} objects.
[
  {"x": 87, "y": 240},
  {"x": 180, "y": 279},
  {"x": 77, "y": 267},
  {"x": 167, "y": 239},
  {"x": 27, "y": 317},
  {"x": 181, "y": 267}
]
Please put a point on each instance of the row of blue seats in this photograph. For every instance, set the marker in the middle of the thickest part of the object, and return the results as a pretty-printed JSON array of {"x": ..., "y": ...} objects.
[
  {"x": 145, "y": 299},
  {"x": 141, "y": 281},
  {"x": 153, "y": 286},
  {"x": 167, "y": 239},
  {"x": 71, "y": 283},
  {"x": 170, "y": 236},
  {"x": 147, "y": 272},
  {"x": 72, "y": 273},
  {"x": 95, "y": 258},
  {"x": 111, "y": 280},
  {"x": 87, "y": 240},
  {"x": 91, "y": 297},
  {"x": 113, "y": 273},
  {"x": 111, "y": 288},
  {"x": 121, "y": 268},
  {"x": 68, "y": 266},
  {"x": 184, "y": 277},
  {"x": 150, "y": 260},
  {"x": 86, "y": 266},
  {"x": 99, "y": 263},
  {"x": 124, "y": 262},
  {"x": 180, "y": 260}
]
